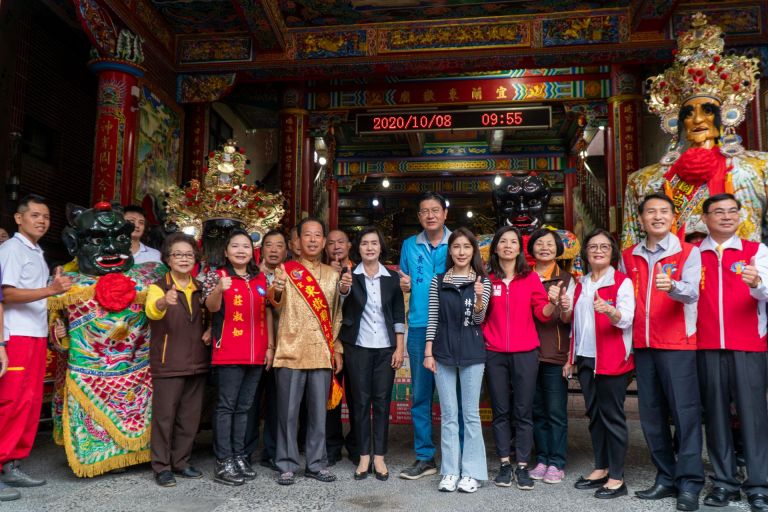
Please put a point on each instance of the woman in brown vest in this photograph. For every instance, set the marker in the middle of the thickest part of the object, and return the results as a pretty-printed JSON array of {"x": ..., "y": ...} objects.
[{"x": 179, "y": 360}]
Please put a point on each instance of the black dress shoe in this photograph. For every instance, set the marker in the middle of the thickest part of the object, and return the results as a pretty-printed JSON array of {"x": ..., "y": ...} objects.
[
  {"x": 687, "y": 501},
  {"x": 380, "y": 476},
  {"x": 657, "y": 492},
  {"x": 586, "y": 483},
  {"x": 605, "y": 493},
  {"x": 190, "y": 472},
  {"x": 758, "y": 502},
  {"x": 270, "y": 464},
  {"x": 362, "y": 475},
  {"x": 165, "y": 479},
  {"x": 720, "y": 497}
]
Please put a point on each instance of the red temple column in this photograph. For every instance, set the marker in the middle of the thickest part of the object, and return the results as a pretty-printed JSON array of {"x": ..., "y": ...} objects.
[
  {"x": 293, "y": 132},
  {"x": 571, "y": 179},
  {"x": 307, "y": 177},
  {"x": 196, "y": 144},
  {"x": 623, "y": 138},
  {"x": 333, "y": 203},
  {"x": 116, "y": 128}
]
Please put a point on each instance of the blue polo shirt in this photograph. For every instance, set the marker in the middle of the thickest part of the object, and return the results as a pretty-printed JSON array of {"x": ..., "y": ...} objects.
[{"x": 421, "y": 261}]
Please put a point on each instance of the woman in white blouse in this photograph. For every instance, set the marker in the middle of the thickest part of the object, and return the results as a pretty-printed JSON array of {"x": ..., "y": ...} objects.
[
  {"x": 372, "y": 331},
  {"x": 601, "y": 340}
]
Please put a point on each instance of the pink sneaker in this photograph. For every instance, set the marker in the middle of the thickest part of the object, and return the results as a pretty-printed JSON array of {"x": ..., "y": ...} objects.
[
  {"x": 538, "y": 472},
  {"x": 553, "y": 475}
]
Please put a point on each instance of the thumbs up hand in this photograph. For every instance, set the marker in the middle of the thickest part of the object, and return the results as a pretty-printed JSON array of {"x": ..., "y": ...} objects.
[
  {"x": 601, "y": 306},
  {"x": 554, "y": 293},
  {"x": 565, "y": 300},
  {"x": 336, "y": 263},
  {"x": 172, "y": 296},
  {"x": 60, "y": 283},
  {"x": 663, "y": 281},
  {"x": 405, "y": 281},
  {"x": 478, "y": 289},
  {"x": 750, "y": 275},
  {"x": 280, "y": 277},
  {"x": 225, "y": 282}
]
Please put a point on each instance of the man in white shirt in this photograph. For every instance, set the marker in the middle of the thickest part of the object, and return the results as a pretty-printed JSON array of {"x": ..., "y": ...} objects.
[
  {"x": 25, "y": 291},
  {"x": 141, "y": 253}
]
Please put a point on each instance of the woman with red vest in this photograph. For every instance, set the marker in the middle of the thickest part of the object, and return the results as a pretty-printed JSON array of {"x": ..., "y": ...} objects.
[
  {"x": 243, "y": 344},
  {"x": 601, "y": 349},
  {"x": 512, "y": 346}
]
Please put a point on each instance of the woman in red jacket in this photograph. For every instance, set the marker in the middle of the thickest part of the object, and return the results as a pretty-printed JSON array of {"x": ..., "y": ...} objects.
[
  {"x": 242, "y": 338},
  {"x": 601, "y": 344},
  {"x": 512, "y": 346}
]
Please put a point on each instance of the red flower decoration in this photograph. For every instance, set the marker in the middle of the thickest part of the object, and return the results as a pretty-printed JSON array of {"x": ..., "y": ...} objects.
[{"x": 115, "y": 292}]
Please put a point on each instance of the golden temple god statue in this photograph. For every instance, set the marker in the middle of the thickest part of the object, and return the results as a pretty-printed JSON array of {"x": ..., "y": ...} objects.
[{"x": 701, "y": 99}]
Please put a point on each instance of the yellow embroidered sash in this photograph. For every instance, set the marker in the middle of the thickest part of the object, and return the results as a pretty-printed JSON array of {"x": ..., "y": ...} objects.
[{"x": 310, "y": 290}]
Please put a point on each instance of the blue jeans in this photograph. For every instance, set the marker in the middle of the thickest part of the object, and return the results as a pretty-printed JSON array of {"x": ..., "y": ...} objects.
[
  {"x": 550, "y": 416},
  {"x": 471, "y": 460},
  {"x": 422, "y": 389}
]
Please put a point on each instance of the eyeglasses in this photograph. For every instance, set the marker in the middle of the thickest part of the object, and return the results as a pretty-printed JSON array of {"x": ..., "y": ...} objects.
[
  {"x": 722, "y": 212},
  {"x": 426, "y": 211},
  {"x": 183, "y": 255},
  {"x": 599, "y": 248}
]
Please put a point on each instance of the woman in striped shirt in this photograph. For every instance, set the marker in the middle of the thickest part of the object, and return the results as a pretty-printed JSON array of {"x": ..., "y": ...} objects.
[{"x": 455, "y": 350}]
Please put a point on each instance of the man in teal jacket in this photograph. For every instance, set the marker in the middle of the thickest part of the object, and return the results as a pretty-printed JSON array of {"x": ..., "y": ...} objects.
[{"x": 421, "y": 258}]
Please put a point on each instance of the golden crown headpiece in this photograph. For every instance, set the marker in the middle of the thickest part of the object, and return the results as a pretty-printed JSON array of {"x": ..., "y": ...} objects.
[
  {"x": 701, "y": 70},
  {"x": 224, "y": 194}
]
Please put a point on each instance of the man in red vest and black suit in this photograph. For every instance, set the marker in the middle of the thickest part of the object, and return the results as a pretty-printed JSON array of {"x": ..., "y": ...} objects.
[
  {"x": 666, "y": 273},
  {"x": 732, "y": 352}
]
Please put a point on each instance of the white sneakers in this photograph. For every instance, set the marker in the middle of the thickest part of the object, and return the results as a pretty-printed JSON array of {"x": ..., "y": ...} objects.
[
  {"x": 468, "y": 484},
  {"x": 450, "y": 483}
]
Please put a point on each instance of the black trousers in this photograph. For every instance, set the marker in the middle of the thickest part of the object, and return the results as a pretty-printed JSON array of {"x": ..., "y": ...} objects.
[
  {"x": 371, "y": 376},
  {"x": 264, "y": 407},
  {"x": 668, "y": 385},
  {"x": 335, "y": 439},
  {"x": 728, "y": 376},
  {"x": 519, "y": 369},
  {"x": 604, "y": 398},
  {"x": 236, "y": 391}
]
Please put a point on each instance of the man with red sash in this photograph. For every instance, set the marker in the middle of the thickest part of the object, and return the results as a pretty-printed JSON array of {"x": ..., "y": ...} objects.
[
  {"x": 665, "y": 273},
  {"x": 732, "y": 352},
  {"x": 308, "y": 294}
]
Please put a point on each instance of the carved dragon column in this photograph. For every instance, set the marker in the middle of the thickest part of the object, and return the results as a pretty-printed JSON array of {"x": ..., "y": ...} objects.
[{"x": 117, "y": 62}]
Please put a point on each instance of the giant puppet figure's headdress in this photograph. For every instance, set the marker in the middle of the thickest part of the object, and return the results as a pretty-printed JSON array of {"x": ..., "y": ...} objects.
[
  {"x": 224, "y": 196},
  {"x": 701, "y": 70}
]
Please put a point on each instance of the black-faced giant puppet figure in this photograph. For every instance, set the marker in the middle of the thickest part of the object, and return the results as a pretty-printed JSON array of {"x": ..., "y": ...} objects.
[{"x": 103, "y": 393}]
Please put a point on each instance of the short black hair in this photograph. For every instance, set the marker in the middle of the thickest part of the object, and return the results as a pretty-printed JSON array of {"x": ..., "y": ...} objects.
[
  {"x": 382, "y": 242},
  {"x": 175, "y": 238},
  {"x": 716, "y": 199},
  {"x": 615, "y": 251},
  {"x": 432, "y": 196},
  {"x": 30, "y": 198},
  {"x": 274, "y": 232},
  {"x": 132, "y": 208},
  {"x": 541, "y": 233},
  {"x": 306, "y": 220},
  {"x": 649, "y": 197}
]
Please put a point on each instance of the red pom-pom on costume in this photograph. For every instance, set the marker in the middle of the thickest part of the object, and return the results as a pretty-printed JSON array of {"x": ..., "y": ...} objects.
[
  {"x": 115, "y": 292},
  {"x": 102, "y": 206}
]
